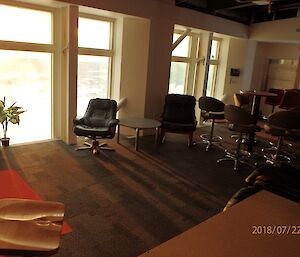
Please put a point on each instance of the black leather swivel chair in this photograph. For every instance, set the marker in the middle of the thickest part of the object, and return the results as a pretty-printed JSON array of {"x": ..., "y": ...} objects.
[
  {"x": 99, "y": 121},
  {"x": 179, "y": 116},
  {"x": 211, "y": 109}
]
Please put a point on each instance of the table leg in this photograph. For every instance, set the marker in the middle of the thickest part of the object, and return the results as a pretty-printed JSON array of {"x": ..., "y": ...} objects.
[
  {"x": 156, "y": 135},
  {"x": 118, "y": 135},
  {"x": 255, "y": 113},
  {"x": 137, "y": 137}
]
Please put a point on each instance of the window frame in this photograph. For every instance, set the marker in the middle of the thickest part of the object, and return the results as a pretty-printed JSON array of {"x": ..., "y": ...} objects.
[
  {"x": 192, "y": 61},
  {"x": 216, "y": 63},
  {"x": 101, "y": 52},
  {"x": 50, "y": 48}
]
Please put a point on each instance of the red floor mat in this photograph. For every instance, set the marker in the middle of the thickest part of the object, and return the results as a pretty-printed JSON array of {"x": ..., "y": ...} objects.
[{"x": 12, "y": 185}]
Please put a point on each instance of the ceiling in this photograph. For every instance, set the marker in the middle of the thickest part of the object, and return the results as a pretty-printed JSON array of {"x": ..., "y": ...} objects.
[{"x": 244, "y": 11}]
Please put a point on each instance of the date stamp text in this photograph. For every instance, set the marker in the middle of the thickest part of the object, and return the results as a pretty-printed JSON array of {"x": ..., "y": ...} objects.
[{"x": 276, "y": 229}]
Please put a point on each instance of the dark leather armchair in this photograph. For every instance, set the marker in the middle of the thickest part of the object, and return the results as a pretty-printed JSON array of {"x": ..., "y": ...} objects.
[
  {"x": 179, "y": 116},
  {"x": 99, "y": 121}
]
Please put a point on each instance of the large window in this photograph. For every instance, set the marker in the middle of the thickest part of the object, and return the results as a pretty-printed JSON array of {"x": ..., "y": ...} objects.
[
  {"x": 94, "y": 60},
  {"x": 179, "y": 65},
  {"x": 184, "y": 64},
  {"x": 26, "y": 50},
  {"x": 213, "y": 67}
]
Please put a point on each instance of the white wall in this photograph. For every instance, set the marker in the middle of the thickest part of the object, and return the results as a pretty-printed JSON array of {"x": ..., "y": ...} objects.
[
  {"x": 163, "y": 16},
  {"x": 236, "y": 59},
  {"x": 266, "y": 51},
  {"x": 276, "y": 31},
  {"x": 135, "y": 42},
  {"x": 154, "y": 69}
]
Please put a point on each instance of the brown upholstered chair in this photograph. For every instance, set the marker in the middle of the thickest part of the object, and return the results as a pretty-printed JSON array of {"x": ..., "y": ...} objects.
[
  {"x": 281, "y": 124},
  {"x": 274, "y": 100},
  {"x": 179, "y": 116},
  {"x": 211, "y": 109},
  {"x": 243, "y": 122},
  {"x": 290, "y": 99}
]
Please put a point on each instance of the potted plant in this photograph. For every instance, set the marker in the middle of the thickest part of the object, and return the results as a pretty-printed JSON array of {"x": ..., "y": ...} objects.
[{"x": 10, "y": 114}]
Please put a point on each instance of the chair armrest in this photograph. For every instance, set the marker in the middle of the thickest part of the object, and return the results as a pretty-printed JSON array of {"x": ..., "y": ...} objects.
[
  {"x": 112, "y": 122},
  {"x": 78, "y": 121}
]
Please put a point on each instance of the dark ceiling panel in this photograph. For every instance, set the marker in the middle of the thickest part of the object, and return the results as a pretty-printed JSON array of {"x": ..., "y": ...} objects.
[{"x": 244, "y": 11}]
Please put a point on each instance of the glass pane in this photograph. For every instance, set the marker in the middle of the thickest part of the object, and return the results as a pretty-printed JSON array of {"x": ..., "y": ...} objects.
[
  {"x": 214, "y": 50},
  {"x": 26, "y": 79},
  {"x": 182, "y": 49},
  {"x": 177, "y": 78},
  {"x": 93, "y": 78},
  {"x": 211, "y": 80},
  {"x": 93, "y": 33},
  {"x": 25, "y": 25}
]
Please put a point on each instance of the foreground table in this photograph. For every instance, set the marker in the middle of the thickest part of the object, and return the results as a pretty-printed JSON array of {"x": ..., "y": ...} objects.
[
  {"x": 263, "y": 225},
  {"x": 30, "y": 227},
  {"x": 138, "y": 124}
]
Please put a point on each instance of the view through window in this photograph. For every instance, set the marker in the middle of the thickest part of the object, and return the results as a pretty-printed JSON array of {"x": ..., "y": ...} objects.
[
  {"x": 213, "y": 67},
  {"x": 26, "y": 70},
  {"x": 179, "y": 65},
  {"x": 94, "y": 61}
]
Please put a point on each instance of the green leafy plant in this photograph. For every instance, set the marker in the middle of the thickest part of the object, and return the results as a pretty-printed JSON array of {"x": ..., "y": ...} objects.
[{"x": 10, "y": 114}]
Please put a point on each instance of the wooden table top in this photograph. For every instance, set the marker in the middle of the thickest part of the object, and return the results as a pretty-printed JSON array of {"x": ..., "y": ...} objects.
[
  {"x": 141, "y": 123},
  {"x": 258, "y": 93},
  {"x": 254, "y": 227},
  {"x": 30, "y": 227}
]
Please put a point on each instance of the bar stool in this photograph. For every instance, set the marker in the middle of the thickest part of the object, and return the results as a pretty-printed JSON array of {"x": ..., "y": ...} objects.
[
  {"x": 281, "y": 124},
  {"x": 245, "y": 103},
  {"x": 242, "y": 101},
  {"x": 211, "y": 109},
  {"x": 242, "y": 122}
]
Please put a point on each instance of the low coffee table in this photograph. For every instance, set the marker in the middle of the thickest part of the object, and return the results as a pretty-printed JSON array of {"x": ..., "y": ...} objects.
[{"x": 138, "y": 124}]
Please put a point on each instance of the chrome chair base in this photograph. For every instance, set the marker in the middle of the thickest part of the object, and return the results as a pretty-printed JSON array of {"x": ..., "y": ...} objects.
[
  {"x": 95, "y": 146},
  {"x": 236, "y": 159}
]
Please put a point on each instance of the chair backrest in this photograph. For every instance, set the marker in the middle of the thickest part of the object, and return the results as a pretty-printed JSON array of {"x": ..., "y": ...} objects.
[
  {"x": 291, "y": 98},
  {"x": 274, "y": 100},
  {"x": 210, "y": 104},
  {"x": 295, "y": 109},
  {"x": 241, "y": 100},
  {"x": 285, "y": 119},
  {"x": 99, "y": 111},
  {"x": 179, "y": 109},
  {"x": 237, "y": 115}
]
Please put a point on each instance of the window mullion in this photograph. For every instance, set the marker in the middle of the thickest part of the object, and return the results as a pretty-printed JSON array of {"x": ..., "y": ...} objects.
[
  {"x": 93, "y": 51},
  {"x": 181, "y": 59},
  {"x": 22, "y": 46},
  {"x": 192, "y": 66}
]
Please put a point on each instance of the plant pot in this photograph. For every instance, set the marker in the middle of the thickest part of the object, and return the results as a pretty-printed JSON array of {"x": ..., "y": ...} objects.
[{"x": 5, "y": 142}]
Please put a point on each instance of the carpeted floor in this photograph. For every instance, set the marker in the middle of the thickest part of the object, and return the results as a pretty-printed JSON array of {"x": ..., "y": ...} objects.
[{"x": 123, "y": 203}]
